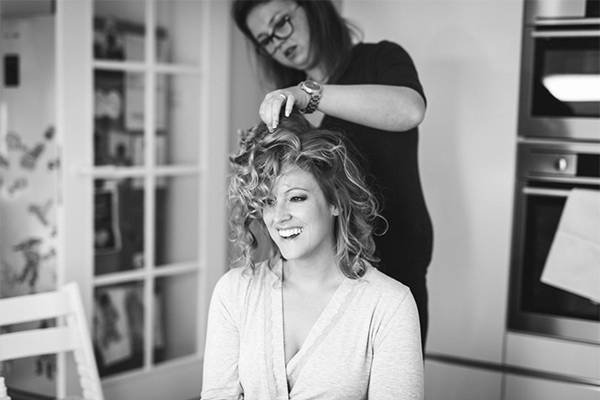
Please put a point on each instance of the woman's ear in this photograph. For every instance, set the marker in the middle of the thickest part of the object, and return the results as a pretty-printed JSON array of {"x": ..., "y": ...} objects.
[{"x": 334, "y": 211}]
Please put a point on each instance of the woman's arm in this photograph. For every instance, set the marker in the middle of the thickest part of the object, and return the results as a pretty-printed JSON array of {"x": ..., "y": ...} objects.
[
  {"x": 221, "y": 355},
  {"x": 390, "y": 108},
  {"x": 397, "y": 369}
]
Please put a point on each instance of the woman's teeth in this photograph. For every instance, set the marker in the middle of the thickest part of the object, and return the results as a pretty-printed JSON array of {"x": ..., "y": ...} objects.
[{"x": 288, "y": 233}]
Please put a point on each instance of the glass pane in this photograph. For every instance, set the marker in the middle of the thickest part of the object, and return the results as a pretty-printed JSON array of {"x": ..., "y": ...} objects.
[
  {"x": 543, "y": 216},
  {"x": 183, "y": 119},
  {"x": 162, "y": 120},
  {"x": 118, "y": 118},
  {"x": 179, "y": 29},
  {"x": 565, "y": 69},
  {"x": 118, "y": 225},
  {"x": 176, "y": 306},
  {"x": 119, "y": 30},
  {"x": 118, "y": 329},
  {"x": 177, "y": 204}
]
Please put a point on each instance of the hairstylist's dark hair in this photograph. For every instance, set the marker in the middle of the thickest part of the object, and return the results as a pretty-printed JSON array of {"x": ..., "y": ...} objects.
[
  {"x": 262, "y": 157},
  {"x": 330, "y": 38}
]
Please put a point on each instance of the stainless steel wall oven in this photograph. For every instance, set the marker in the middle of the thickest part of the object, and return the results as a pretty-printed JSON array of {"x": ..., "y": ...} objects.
[
  {"x": 558, "y": 150},
  {"x": 560, "y": 75},
  {"x": 546, "y": 174}
]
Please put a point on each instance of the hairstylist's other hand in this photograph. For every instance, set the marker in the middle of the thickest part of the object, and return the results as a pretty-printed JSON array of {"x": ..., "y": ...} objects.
[{"x": 270, "y": 107}]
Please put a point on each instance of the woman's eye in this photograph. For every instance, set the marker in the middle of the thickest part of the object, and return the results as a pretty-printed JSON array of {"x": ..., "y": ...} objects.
[
  {"x": 296, "y": 199},
  {"x": 269, "y": 202}
]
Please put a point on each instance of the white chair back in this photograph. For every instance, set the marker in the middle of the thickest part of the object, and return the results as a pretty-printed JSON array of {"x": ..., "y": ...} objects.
[{"x": 70, "y": 334}]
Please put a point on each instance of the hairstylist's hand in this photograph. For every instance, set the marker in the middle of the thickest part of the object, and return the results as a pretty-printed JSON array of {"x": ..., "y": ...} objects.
[{"x": 270, "y": 107}]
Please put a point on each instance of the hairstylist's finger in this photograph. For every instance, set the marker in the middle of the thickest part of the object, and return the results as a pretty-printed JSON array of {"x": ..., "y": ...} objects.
[
  {"x": 289, "y": 104},
  {"x": 265, "y": 115},
  {"x": 278, "y": 102}
]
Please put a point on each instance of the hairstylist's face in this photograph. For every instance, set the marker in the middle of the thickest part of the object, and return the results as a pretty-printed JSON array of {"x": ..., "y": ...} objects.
[
  {"x": 266, "y": 18},
  {"x": 298, "y": 217}
]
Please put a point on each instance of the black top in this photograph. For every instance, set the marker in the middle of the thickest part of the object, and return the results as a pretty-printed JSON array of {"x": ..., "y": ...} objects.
[{"x": 392, "y": 158}]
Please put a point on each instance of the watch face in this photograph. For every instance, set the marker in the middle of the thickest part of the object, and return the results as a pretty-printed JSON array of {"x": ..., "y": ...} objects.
[{"x": 312, "y": 85}]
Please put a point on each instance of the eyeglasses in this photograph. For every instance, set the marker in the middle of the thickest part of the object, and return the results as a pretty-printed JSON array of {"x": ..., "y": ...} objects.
[{"x": 282, "y": 30}]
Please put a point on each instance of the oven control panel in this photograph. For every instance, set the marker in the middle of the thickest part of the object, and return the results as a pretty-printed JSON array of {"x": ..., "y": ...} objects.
[{"x": 564, "y": 160}]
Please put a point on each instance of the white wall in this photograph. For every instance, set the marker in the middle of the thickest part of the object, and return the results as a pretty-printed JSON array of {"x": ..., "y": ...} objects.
[
  {"x": 467, "y": 53},
  {"x": 246, "y": 93}
]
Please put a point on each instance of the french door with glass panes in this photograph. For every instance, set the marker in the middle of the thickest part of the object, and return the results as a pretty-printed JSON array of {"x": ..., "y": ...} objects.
[{"x": 142, "y": 122}]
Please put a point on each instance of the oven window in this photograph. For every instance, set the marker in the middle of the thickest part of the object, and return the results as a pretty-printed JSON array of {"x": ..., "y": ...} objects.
[
  {"x": 566, "y": 77},
  {"x": 542, "y": 218}
]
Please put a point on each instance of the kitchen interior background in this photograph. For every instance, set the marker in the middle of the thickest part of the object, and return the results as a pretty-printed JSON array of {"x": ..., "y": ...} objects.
[{"x": 468, "y": 55}]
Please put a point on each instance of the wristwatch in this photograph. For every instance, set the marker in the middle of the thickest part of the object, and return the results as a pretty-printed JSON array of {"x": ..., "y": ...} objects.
[{"x": 315, "y": 91}]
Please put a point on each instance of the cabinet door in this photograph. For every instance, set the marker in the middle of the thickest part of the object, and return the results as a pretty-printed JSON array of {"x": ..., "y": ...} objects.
[
  {"x": 525, "y": 388},
  {"x": 445, "y": 381},
  {"x": 143, "y": 120}
]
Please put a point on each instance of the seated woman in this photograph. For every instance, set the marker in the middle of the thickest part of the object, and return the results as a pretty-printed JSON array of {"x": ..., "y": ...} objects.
[{"x": 317, "y": 320}]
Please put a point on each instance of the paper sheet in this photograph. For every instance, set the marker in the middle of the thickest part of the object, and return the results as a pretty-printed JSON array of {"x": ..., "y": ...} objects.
[{"x": 573, "y": 262}]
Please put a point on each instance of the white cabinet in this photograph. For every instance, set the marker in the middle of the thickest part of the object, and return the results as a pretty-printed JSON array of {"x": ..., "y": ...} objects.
[
  {"x": 551, "y": 368},
  {"x": 141, "y": 112},
  {"x": 527, "y": 388},
  {"x": 553, "y": 356},
  {"x": 447, "y": 381}
]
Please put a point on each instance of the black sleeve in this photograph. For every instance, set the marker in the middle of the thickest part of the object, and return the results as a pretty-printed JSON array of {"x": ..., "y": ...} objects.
[{"x": 394, "y": 66}]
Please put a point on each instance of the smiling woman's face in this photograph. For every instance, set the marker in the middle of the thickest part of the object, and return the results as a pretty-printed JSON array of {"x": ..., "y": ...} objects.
[
  {"x": 298, "y": 217},
  {"x": 293, "y": 52}
]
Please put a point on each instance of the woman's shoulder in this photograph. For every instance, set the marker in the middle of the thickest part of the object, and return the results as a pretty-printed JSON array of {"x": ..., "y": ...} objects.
[
  {"x": 381, "y": 285},
  {"x": 382, "y": 297},
  {"x": 373, "y": 56},
  {"x": 375, "y": 47},
  {"x": 239, "y": 277}
]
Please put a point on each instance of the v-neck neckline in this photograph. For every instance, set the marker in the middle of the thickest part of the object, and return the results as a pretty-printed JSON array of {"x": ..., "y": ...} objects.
[{"x": 318, "y": 332}]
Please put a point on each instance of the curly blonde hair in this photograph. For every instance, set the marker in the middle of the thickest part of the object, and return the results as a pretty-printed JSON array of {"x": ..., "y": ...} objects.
[{"x": 336, "y": 167}]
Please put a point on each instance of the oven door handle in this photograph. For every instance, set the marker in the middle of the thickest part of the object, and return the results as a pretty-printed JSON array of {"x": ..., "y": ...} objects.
[
  {"x": 546, "y": 192},
  {"x": 565, "y": 21},
  {"x": 565, "y": 34}
]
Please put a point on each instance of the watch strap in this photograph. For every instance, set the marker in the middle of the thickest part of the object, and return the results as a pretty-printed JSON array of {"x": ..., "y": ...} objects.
[{"x": 315, "y": 98}]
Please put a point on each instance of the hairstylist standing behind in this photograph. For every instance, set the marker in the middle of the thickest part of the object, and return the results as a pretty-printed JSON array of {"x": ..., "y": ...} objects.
[{"x": 371, "y": 93}]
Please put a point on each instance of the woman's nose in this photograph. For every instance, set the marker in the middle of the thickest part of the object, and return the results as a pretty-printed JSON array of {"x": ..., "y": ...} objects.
[{"x": 280, "y": 212}]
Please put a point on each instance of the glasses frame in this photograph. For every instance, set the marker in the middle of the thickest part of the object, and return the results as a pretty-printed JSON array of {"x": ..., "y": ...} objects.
[{"x": 273, "y": 35}]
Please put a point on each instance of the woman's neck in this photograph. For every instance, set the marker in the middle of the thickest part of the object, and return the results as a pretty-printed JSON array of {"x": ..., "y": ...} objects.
[{"x": 319, "y": 274}]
